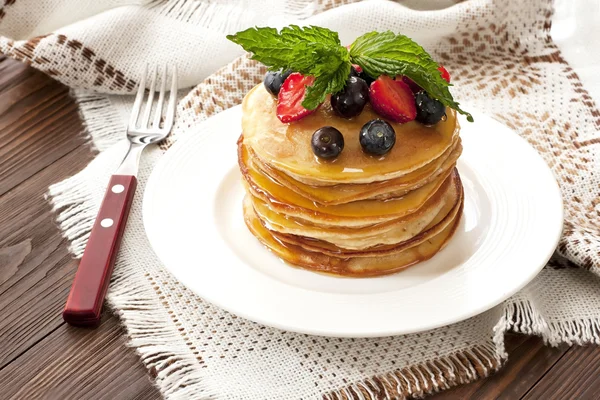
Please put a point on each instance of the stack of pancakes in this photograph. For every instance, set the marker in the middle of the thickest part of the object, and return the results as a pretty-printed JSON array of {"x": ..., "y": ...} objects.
[{"x": 356, "y": 215}]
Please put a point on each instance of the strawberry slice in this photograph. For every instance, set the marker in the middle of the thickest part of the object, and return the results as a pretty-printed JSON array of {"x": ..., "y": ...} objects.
[
  {"x": 393, "y": 99},
  {"x": 444, "y": 73},
  {"x": 291, "y": 95}
]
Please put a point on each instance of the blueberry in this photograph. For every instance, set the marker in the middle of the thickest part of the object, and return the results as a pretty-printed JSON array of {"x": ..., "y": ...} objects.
[
  {"x": 351, "y": 100},
  {"x": 367, "y": 78},
  {"x": 377, "y": 137},
  {"x": 274, "y": 79},
  {"x": 327, "y": 142},
  {"x": 429, "y": 111}
]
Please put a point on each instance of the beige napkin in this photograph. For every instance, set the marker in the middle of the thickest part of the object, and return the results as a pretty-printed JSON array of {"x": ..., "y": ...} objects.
[{"x": 503, "y": 63}]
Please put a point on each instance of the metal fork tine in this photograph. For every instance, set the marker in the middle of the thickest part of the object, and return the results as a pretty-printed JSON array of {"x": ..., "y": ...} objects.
[
  {"x": 146, "y": 117},
  {"x": 161, "y": 98},
  {"x": 172, "y": 102},
  {"x": 137, "y": 105}
]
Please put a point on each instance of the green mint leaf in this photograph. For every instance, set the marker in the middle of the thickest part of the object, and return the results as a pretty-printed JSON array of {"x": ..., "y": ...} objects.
[
  {"x": 385, "y": 53},
  {"x": 310, "y": 34},
  {"x": 308, "y": 50},
  {"x": 325, "y": 84}
]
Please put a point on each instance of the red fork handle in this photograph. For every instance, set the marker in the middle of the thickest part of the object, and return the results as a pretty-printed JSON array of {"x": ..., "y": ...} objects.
[{"x": 85, "y": 300}]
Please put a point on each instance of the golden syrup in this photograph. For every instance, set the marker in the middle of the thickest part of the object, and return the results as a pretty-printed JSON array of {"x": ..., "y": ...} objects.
[
  {"x": 279, "y": 194},
  {"x": 407, "y": 204},
  {"x": 443, "y": 218},
  {"x": 353, "y": 266},
  {"x": 344, "y": 193},
  {"x": 390, "y": 232}
]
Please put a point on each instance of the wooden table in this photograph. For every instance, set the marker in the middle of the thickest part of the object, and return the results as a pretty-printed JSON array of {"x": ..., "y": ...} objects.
[{"x": 42, "y": 142}]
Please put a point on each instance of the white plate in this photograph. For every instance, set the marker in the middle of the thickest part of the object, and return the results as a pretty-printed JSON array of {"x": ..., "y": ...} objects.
[{"x": 511, "y": 225}]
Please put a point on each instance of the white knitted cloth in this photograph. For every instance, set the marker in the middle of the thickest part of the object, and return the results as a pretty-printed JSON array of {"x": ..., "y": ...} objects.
[{"x": 503, "y": 62}]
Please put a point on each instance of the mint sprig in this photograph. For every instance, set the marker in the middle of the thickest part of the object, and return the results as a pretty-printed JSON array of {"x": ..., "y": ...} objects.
[
  {"x": 310, "y": 51},
  {"x": 318, "y": 52}
]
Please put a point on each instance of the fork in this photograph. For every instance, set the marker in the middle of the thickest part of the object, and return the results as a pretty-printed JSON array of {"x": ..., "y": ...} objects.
[{"x": 84, "y": 304}]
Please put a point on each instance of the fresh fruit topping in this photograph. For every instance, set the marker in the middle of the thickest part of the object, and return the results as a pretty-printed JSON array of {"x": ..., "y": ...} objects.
[
  {"x": 351, "y": 100},
  {"x": 274, "y": 79},
  {"x": 291, "y": 95},
  {"x": 355, "y": 70},
  {"x": 327, "y": 142},
  {"x": 367, "y": 78},
  {"x": 411, "y": 84},
  {"x": 444, "y": 73},
  {"x": 392, "y": 99},
  {"x": 318, "y": 52},
  {"x": 429, "y": 111},
  {"x": 377, "y": 137}
]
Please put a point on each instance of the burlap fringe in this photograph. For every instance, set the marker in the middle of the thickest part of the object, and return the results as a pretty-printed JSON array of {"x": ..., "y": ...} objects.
[
  {"x": 521, "y": 317},
  {"x": 155, "y": 339},
  {"x": 233, "y": 17},
  {"x": 426, "y": 378},
  {"x": 70, "y": 202},
  {"x": 98, "y": 116}
]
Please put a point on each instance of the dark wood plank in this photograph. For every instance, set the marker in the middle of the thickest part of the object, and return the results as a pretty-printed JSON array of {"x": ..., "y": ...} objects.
[
  {"x": 11, "y": 258},
  {"x": 18, "y": 82},
  {"x": 575, "y": 376},
  {"x": 40, "y": 144},
  {"x": 12, "y": 73},
  {"x": 39, "y": 123},
  {"x": 32, "y": 292},
  {"x": 74, "y": 363},
  {"x": 531, "y": 361},
  {"x": 36, "y": 267}
]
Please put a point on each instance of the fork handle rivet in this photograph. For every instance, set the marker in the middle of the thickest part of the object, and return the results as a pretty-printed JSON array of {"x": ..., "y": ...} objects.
[{"x": 117, "y": 189}]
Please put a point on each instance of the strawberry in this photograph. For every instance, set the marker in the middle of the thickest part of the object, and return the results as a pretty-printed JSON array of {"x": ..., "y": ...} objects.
[
  {"x": 358, "y": 68},
  {"x": 393, "y": 99},
  {"x": 444, "y": 73},
  {"x": 291, "y": 95}
]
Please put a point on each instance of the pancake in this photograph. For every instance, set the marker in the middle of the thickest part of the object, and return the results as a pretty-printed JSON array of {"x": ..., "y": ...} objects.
[
  {"x": 358, "y": 213},
  {"x": 444, "y": 217},
  {"x": 286, "y": 147},
  {"x": 383, "y": 190},
  {"x": 361, "y": 238},
  {"x": 353, "y": 266}
]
